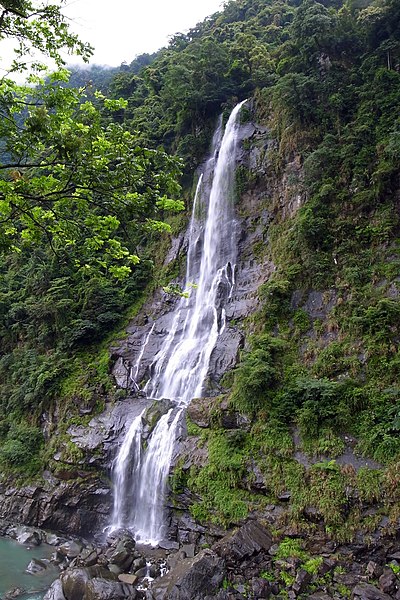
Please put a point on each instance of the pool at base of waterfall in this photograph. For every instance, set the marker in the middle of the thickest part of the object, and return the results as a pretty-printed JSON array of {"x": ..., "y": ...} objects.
[{"x": 14, "y": 559}]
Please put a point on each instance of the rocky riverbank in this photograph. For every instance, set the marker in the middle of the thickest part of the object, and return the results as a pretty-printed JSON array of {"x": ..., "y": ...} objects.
[{"x": 250, "y": 562}]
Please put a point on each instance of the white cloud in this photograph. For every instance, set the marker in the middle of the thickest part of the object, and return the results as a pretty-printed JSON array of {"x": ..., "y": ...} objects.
[{"x": 122, "y": 29}]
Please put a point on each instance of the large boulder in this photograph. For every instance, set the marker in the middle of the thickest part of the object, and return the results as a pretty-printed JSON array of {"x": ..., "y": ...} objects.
[
  {"x": 70, "y": 549},
  {"x": 244, "y": 542},
  {"x": 28, "y": 536},
  {"x": 122, "y": 550},
  {"x": 75, "y": 582},
  {"x": 55, "y": 592},
  {"x": 101, "y": 589},
  {"x": 192, "y": 579}
]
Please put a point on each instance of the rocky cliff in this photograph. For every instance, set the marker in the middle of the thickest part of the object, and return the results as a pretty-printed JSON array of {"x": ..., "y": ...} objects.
[{"x": 229, "y": 465}]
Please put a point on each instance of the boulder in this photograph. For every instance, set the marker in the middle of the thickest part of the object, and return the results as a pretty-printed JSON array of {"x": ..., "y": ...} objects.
[
  {"x": 122, "y": 550},
  {"x": 75, "y": 582},
  {"x": 55, "y": 592},
  {"x": 36, "y": 566},
  {"x": 101, "y": 589},
  {"x": 54, "y": 540},
  {"x": 388, "y": 582},
  {"x": 261, "y": 587},
  {"x": 303, "y": 578},
  {"x": 244, "y": 542},
  {"x": 88, "y": 557},
  {"x": 28, "y": 536},
  {"x": 70, "y": 549},
  {"x": 374, "y": 570},
  {"x": 192, "y": 579},
  {"x": 365, "y": 591}
]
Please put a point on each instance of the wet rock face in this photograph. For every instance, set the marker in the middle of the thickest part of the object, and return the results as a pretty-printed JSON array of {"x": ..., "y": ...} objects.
[
  {"x": 73, "y": 499},
  {"x": 248, "y": 540},
  {"x": 80, "y": 506},
  {"x": 192, "y": 579},
  {"x": 149, "y": 330}
]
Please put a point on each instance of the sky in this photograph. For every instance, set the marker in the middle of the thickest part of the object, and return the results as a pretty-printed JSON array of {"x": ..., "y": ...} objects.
[{"x": 122, "y": 29}]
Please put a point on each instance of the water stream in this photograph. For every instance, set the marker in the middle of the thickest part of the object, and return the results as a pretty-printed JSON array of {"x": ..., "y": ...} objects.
[
  {"x": 180, "y": 367},
  {"x": 14, "y": 559}
]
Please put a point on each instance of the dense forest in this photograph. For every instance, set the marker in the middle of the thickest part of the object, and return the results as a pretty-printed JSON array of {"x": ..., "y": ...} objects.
[{"x": 95, "y": 177}]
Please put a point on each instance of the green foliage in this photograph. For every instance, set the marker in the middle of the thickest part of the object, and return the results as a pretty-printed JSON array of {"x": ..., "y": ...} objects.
[
  {"x": 290, "y": 548},
  {"x": 218, "y": 482},
  {"x": 83, "y": 190},
  {"x": 21, "y": 447},
  {"x": 369, "y": 484},
  {"x": 38, "y": 27},
  {"x": 312, "y": 565},
  {"x": 257, "y": 375},
  {"x": 322, "y": 404}
]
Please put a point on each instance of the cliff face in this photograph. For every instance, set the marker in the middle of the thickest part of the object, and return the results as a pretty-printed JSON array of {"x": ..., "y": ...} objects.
[
  {"x": 241, "y": 455},
  {"x": 75, "y": 495}
]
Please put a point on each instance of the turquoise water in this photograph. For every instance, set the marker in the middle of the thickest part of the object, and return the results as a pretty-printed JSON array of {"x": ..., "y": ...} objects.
[{"x": 14, "y": 559}]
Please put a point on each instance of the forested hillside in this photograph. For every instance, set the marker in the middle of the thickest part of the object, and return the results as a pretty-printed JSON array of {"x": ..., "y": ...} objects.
[{"x": 84, "y": 209}]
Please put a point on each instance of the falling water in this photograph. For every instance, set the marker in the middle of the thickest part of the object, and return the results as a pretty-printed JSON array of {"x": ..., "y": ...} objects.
[
  {"x": 180, "y": 367},
  {"x": 124, "y": 469}
]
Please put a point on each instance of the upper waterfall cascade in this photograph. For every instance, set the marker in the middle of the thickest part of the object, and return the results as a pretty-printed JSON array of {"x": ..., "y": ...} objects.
[{"x": 180, "y": 367}]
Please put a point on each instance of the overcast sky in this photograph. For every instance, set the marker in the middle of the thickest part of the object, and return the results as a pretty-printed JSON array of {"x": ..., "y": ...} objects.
[{"x": 121, "y": 29}]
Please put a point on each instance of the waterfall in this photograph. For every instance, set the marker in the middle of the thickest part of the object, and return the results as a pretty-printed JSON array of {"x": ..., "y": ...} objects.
[{"x": 181, "y": 365}]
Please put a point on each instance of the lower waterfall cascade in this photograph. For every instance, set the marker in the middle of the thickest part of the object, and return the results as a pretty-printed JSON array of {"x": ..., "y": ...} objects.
[{"x": 180, "y": 367}]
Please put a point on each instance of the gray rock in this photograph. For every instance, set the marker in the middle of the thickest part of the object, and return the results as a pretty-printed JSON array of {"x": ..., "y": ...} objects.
[
  {"x": 303, "y": 578},
  {"x": 349, "y": 580},
  {"x": 388, "y": 582},
  {"x": 70, "y": 549},
  {"x": 365, "y": 591},
  {"x": 122, "y": 552},
  {"x": 36, "y": 566},
  {"x": 394, "y": 556},
  {"x": 168, "y": 545},
  {"x": 189, "y": 550},
  {"x": 154, "y": 571},
  {"x": 174, "y": 559},
  {"x": 244, "y": 542},
  {"x": 261, "y": 588},
  {"x": 101, "y": 589},
  {"x": 141, "y": 572},
  {"x": 55, "y": 592},
  {"x": 88, "y": 557},
  {"x": 28, "y": 536},
  {"x": 225, "y": 353},
  {"x": 53, "y": 540},
  {"x": 138, "y": 563},
  {"x": 192, "y": 579},
  {"x": 74, "y": 583},
  {"x": 374, "y": 570},
  {"x": 14, "y": 593},
  {"x": 114, "y": 568}
]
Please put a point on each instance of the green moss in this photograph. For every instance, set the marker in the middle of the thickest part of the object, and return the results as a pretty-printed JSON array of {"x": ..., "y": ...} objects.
[
  {"x": 291, "y": 548},
  {"x": 369, "y": 484},
  {"x": 312, "y": 565},
  {"x": 219, "y": 482}
]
